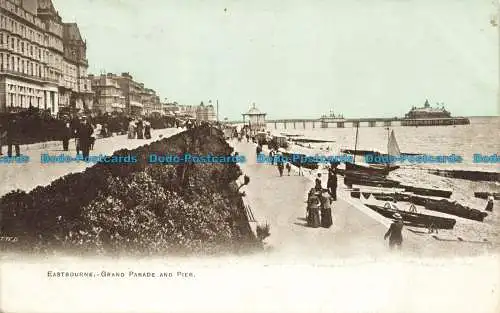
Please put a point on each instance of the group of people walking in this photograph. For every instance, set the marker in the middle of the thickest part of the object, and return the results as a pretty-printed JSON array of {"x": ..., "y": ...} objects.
[
  {"x": 319, "y": 209},
  {"x": 139, "y": 129}
]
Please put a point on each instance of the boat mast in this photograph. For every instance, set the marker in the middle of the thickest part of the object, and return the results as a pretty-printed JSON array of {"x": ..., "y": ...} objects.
[
  {"x": 356, "y": 142},
  {"x": 388, "y": 139}
]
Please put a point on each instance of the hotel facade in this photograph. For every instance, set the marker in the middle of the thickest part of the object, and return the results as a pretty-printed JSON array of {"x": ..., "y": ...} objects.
[
  {"x": 121, "y": 93},
  {"x": 36, "y": 68}
]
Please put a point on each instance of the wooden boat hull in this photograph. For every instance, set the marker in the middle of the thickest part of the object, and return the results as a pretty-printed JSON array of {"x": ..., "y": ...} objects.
[
  {"x": 485, "y": 195},
  {"x": 442, "y": 205},
  {"x": 428, "y": 192},
  {"x": 372, "y": 169},
  {"x": 369, "y": 152},
  {"x": 416, "y": 219},
  {"x": 467, "y": 175}
]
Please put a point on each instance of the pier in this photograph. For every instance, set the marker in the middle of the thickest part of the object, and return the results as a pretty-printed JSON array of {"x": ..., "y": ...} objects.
[{"x": 362, "y": 122}]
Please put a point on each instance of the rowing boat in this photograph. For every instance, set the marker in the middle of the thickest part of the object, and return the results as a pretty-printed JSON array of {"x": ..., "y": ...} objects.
[{"x": 414, "y": 219}]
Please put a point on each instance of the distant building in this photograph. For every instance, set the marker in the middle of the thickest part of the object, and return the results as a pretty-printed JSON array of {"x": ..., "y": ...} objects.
[
  {"x": 123, "y": 94},
  {"x": 205, "y": 112},
  {"x": 108, "y": 96},
  {"x": 170, "y": 108},
  {"x": 151, "y": 102},
  {"x": 427, "y": 112}
]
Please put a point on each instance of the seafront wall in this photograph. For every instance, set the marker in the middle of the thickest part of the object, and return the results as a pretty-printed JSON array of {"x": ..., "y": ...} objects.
[{"x": 137, "y": 208}]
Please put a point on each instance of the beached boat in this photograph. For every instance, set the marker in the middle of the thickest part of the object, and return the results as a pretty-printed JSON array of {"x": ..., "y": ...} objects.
[
  {"x": 384, "y": 169},
  {"x": 371, "y": 152},
  {"x": 441, "y": 205},
  {"x": 433, "y": 192},
  {"x": 370, "y": 169},
  {"x": 467, "y": 175},
  {"x": 310, "y": 140},
  {"x": 485, "y": 195},
  {"x": 414, "y": 219}
]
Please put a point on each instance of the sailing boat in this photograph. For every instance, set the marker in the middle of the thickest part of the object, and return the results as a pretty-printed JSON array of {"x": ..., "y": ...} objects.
[{"x": 392, "y": 149}]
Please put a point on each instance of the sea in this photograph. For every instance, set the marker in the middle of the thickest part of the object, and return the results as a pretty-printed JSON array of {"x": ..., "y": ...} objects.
[{"x": 480, "y": 137}]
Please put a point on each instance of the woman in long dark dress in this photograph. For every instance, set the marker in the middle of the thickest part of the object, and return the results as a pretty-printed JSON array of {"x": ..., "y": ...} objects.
[
  {"x": 313, "y": 207},
  {"x": 140, "y": 130},
  {"x": 326, "y": 210},
  {"x": 147, "y": 130}
]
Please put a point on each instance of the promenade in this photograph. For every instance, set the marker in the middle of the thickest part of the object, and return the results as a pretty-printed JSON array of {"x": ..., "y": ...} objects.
[
  {"x": 32, "y": 174},
  {"x": 357, "y": 231}
]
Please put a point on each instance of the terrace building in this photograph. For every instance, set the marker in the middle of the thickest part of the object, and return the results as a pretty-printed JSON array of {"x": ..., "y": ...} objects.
[
  {"x": 42, "y": 60},
  {"x": 151, "y": 102},
  {"x": 76, "y": 92},
  {"x": 108, "y": 96},
  {"x": 132, "y": 91},
  {"x": 30, "y": 55}
]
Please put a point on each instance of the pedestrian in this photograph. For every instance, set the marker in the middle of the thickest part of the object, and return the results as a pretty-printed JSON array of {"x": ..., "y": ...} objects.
[
  {"x": 140, "y": 129},
  {"x": 66, "y": 136},
  {"x": 332, "y": 182},
  {"x": 131, "y": 130},
  {"x": 279, "y": 163},
  {"x": 326, "y": 210},
  {"x": 288, "y": 167},
  {"x": 84, "y": 133},
  {"x": 489, "y": 205},
  {"x": 271, "y": 156},
  {"x": 317, "y": 183},
  {"x": 313, "y": 208},
  {"x": 93, "y": 137},
  {"x": 395, "y": 232},
  {"x": 248, "y": 138},
  {"x": 13, "y": 136},
  {"x": 258, "y": 150},
  {"x": 147, "y": 130}
]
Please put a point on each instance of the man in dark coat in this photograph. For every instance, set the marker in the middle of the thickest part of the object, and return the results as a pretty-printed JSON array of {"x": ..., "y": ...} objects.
[
  {"x": 140, "y": 130},
  {"x": 332, "y": 182},
  {"x": 13, "y": 136},
  {"x": 84, "y": 133}
]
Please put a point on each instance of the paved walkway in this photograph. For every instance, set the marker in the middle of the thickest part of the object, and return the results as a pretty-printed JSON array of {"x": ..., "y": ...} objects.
[
  {"x": 30, "y": 175},
  {"x": 357, "y": 230}
]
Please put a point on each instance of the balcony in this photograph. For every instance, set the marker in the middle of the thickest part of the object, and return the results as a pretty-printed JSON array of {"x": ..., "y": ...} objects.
[{"x": 21, "y": 75}]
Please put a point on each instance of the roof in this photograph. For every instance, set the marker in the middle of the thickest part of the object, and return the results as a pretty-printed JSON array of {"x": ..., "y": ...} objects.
[
  {"x": 254, "y": 111},
  {"x": 71, "y": 32}
]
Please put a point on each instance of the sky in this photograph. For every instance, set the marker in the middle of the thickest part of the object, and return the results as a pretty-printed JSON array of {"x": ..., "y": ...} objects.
[{"x": 293, "y": 59}]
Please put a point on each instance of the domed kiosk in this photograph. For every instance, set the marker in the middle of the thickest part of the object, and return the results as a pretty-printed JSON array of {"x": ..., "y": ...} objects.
[{"x": 256, "y": 120}]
